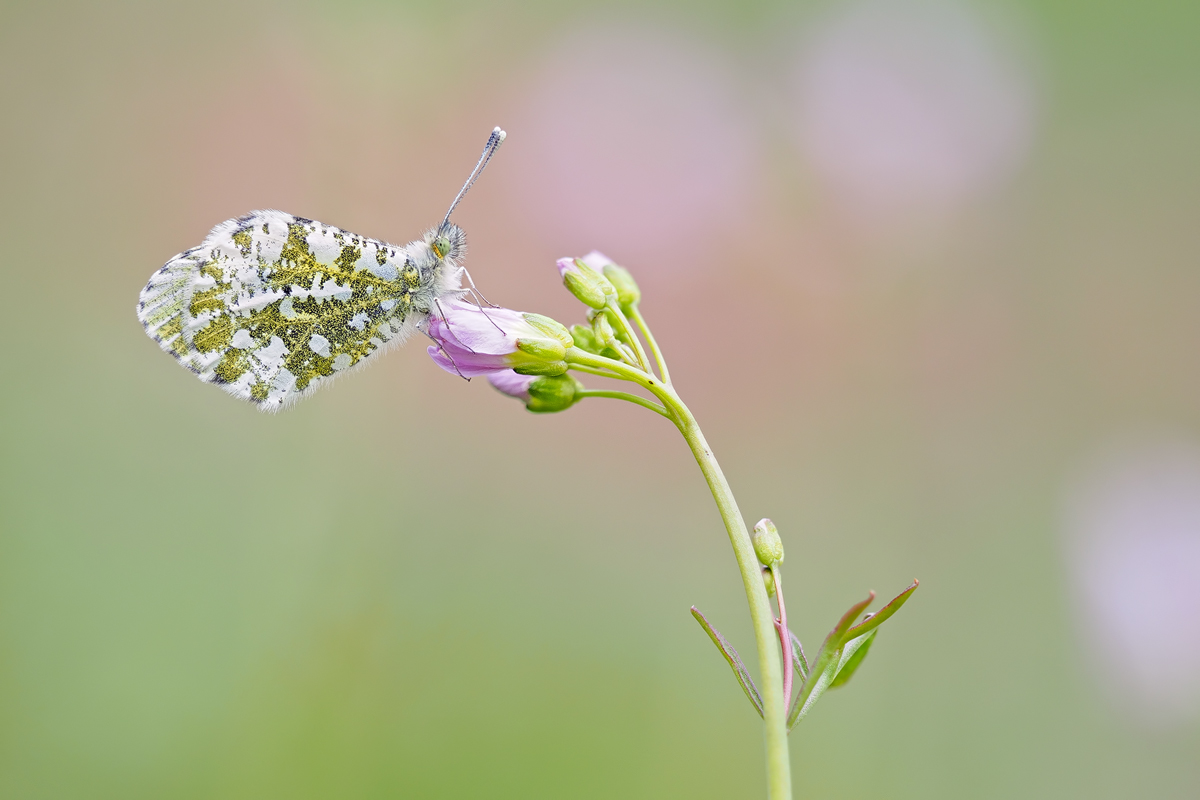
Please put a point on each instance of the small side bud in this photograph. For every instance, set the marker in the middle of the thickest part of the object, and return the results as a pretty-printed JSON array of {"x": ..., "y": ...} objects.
[
  {"x": 603, "y": 330},
  {"x": 586, "y": 340},
  {"x": 768, "y": 581},
  {"x": 767, "y": 544},
  {"x": 588, "y": 285}
]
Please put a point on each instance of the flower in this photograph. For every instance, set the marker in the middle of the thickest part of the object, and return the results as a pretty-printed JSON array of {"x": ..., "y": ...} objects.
[
  {"x": 585, "y": 282},
  {"x": 597, "y": 260},
  {"x": 540, "y": 393},
  {"x": 475, "y": 341}
]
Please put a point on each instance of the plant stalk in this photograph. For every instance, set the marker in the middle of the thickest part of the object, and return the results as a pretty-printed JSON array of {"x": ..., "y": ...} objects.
[{"x": 779, "y": 776}]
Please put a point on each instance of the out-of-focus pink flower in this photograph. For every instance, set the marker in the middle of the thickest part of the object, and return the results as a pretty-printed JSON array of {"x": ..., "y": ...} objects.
[
  {"x": 475, "y": 341},
  {"x": 1132, "y": 539},
  {"x": 597, "y": 260},
  {"x": 911, "y": 107},
  {"x": 611, "y": 120}
]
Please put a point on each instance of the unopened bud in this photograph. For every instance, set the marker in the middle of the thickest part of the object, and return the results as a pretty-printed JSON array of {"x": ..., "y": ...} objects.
[
  {"x": 768, "y": 581},
  {"x": 628, "y": 293},
  {"x": 588, "y": 285},
  {"x": 586, "y": 340},
  {"x": 603, "y": 330},
  {"x": 548, "y": 394},
  {"x": 540, "y": 393},
  {"x": 767, "y": 544}
]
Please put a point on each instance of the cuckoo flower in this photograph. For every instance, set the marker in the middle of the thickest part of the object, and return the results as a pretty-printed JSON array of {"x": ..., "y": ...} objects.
[{"x": 475, "y": 341}]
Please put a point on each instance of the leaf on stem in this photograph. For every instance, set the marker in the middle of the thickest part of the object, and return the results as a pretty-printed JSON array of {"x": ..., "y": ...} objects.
[
  {"x": 852, "y": 655},
  {"x": 878, "y": 618},
  {"x": 735, "y": 661},
  {"x": 825, "y": 667},
  {"x": 798, "y": 656}
]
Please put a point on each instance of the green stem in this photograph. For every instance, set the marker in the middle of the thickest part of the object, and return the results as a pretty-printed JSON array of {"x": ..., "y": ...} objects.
[
  {"x": 658, "y": 356},
  {"x": 615, "y": 308},
  {"x": 580, "y": 359},
  {"x": 626, "y": 396},
  {"x": 779, "y": 777},
  {"x": 603, "y": 373}
]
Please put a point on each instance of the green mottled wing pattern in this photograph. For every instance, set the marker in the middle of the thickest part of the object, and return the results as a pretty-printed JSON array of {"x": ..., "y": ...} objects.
[{"x": 270, "y": 305}]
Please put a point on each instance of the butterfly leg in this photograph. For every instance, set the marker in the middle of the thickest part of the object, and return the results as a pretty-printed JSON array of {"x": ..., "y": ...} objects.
[{"x": 475, "y": 290}]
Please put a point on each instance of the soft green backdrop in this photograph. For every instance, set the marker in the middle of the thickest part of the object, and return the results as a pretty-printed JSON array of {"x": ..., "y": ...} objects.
[{"x": 408, "y": 586}]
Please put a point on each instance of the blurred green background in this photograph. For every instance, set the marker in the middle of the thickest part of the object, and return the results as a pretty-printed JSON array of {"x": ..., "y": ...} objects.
[{"x": 915, "y": 265}]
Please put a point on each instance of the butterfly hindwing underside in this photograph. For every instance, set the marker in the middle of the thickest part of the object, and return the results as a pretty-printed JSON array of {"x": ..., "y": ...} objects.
[{"x": 270, "y": 305}]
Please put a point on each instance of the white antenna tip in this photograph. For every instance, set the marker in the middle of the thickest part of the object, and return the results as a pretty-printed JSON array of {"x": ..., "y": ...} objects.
[{"x": 497, "y": 132}]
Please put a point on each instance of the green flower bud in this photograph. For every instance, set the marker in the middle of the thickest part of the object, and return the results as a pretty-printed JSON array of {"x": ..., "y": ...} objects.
[
  {"x": 767, "y": 544},
  {"x": 588, "y": 285},
  {"x": 586, "y": 340},
  {"x": 550, "y": 393},
  {"x": 769, "y": 581},
  {"x": 603, "y": 330},
  {"x": 628, "y": 293},
  {"x": 541, "y": 394}
]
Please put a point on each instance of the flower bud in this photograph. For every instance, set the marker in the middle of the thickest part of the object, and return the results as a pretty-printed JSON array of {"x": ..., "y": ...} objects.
[
  {"x": 586, "y": 340},
  {"x": 550, "y": 393},
  {"x": 628, "y": 293},
  {"x": 768, "y": 581},
  {"x": 541, "y": 394},
  {"x": 767, "y": 544},
  {"x": 602, "y": 329},
  {"x": 588, "y": 285}
]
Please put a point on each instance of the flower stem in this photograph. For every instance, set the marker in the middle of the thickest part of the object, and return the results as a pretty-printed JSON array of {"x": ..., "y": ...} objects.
[
  {"x": 636, "y": 343},
  {"x": 785, "y": 643},
  {"x": 779, "y": 776},
  {"x": 632, "y": 398},
  {"x": 658, "y": 356}
]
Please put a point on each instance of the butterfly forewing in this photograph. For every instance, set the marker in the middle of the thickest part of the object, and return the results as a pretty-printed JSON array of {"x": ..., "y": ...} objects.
[{"x": 271, "y": 305}]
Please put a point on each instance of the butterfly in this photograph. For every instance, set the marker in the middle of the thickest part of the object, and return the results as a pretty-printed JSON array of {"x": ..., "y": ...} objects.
[{"x": 270, "y": 306}]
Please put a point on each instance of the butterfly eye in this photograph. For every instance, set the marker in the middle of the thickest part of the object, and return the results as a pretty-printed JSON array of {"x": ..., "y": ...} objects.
[{"x": 441, "y": 246}]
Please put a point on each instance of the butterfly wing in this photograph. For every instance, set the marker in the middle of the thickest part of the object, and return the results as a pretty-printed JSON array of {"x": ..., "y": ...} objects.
[{"x": 270, "y": 306}]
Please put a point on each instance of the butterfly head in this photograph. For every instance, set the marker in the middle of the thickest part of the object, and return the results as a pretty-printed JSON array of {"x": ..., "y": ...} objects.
[{"x": 447, "y": 241}]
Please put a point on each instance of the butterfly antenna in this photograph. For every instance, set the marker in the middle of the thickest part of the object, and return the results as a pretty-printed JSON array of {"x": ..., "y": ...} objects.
[{"x": 493, "y": 143}]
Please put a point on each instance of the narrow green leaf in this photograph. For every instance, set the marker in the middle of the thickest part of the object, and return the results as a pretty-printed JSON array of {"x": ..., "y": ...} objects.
[
  {"x": 735, "y": 661},
  {"x": 852, "y": 656},
  {"x": 825, "y": 666},
  {"x": 798, "y": 658},
  {"x": 877, "y": 619}
]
